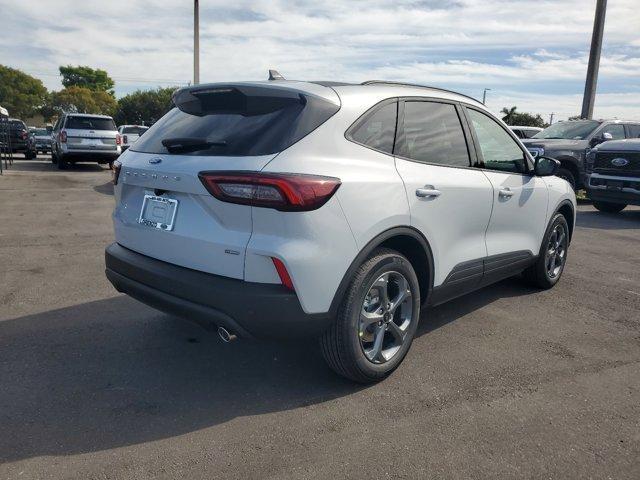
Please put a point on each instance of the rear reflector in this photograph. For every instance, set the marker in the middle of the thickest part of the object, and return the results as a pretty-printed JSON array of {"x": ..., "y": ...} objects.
[
  {"x": 287, "y": 192},
  {"x": 285, "y": 279}
]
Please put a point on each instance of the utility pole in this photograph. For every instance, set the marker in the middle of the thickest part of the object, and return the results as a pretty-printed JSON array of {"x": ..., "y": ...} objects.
[
  {"x": 594, "y": 60},
  {"x": 551, "y": 118},
  {"x": 484, "y": 95},
  {"x": 196, "y": 42}
]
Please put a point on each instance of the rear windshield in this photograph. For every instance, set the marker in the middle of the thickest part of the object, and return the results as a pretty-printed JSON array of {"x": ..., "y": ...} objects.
[
  {"x": 17, "y": 125},
  {"x": 135, "y": 130},
  {"x": 260, "y": 129},
  {"x": 40, "y": 132},
  {"x": 90, "y": 123},
  {"x": 571, "y": 130}
]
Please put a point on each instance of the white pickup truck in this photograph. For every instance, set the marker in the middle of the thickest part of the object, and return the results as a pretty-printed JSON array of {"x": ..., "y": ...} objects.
[{"x": 130, "y": 133}]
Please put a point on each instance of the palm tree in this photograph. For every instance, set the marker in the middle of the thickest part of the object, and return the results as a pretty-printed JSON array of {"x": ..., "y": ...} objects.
[{"x": 508, "y": 114}]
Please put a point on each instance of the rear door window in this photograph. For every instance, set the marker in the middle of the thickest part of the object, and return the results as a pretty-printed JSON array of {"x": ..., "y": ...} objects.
[
  {"x": 89, "y": 123},
  {"x": 634, "y": 130},
  {"x": 377, "y": 128},
  {"x": 431, "y": 132}
]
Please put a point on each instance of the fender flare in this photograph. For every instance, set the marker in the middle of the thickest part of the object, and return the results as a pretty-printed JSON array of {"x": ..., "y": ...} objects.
[
  {"x": 562, "y": 204},
  {"x": 375, "y": 242}
]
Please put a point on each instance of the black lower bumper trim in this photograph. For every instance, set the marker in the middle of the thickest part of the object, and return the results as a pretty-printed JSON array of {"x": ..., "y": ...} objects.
[
  {"x": 614, "y": 196},
  {"x": 245, "y": 308}
]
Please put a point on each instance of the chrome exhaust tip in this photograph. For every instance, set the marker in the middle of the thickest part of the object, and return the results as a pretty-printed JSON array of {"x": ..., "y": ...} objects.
[{"x": 225, "y": 335}]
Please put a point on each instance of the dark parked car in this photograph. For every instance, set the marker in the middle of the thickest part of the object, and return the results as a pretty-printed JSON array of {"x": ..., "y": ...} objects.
[
  {"x": 19, "y": 140},
  {"x": 613, "y": 175},
  {"x": 42, "y": 139},
  {"x": 569, "y": 142}
]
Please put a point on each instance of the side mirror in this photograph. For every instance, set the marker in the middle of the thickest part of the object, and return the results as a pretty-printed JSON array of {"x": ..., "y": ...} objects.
[
  {"x": 600, "y": 138},
  {"x": 546, "y": 166}
]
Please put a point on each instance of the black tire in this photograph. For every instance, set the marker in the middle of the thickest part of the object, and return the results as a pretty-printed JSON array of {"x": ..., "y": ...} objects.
[
  {"x": 54, "y": 158},
  {"x": 62, "y": 164},
  {"x": 538, "y": 274},
  {"x": 341, "y": 344},
  {"x": 567, "y": 175},
  {"x": 609, "y": 207}
]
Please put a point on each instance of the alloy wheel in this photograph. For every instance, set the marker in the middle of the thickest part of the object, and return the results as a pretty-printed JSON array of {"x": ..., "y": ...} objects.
[
  {"x": 385, "y": 317},
  {"x": 556, "y": 251}
]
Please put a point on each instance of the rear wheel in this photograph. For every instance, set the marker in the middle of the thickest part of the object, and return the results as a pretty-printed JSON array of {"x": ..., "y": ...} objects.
[
  {"x": 376, "y": 321},
  {"x": 546, "y": 272},
  {"x": 62, "y": 164},
  {"x": 609, "y": 207}
]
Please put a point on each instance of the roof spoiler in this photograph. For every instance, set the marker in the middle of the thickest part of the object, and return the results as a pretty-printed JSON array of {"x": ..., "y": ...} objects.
[{"x": 239, "y": 99}]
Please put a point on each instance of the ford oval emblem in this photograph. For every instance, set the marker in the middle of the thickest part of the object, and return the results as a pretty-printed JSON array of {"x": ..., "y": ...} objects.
[
  {"x": 155, "y": 160},
  {"x": 619, "y": 162}
]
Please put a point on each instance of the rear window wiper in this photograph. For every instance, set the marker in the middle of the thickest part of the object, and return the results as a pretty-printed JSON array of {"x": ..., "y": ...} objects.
[{"x": 190, "y": 144}]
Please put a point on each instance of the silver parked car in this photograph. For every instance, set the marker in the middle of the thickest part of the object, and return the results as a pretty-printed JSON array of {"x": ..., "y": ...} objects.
[{"x": 81, "y": 137}]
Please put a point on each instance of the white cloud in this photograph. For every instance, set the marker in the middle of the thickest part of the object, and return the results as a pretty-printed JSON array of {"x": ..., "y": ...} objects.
[{"x": 533, "y": 48}]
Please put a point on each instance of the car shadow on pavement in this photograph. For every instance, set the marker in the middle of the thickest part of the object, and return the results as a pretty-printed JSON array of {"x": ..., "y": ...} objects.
[
  {"x": 45, "y": 165},
  {"x": 114, "y": 372},
  {"x": 625, "y": 220}
]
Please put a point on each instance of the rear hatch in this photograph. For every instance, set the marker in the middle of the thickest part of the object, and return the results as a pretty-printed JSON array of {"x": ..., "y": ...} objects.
[
  {"x": 163, "y": 209},
  {"x": 91, "y": 133}
]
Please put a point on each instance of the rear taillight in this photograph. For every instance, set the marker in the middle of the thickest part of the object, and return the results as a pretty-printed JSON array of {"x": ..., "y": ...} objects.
[
  {"x": 124, "y": 139},
  {"x": 285, "y": 279},
  {"x": 117, "y": 165},
  {"x": 23, "y": 134},
  {"x": 118, "y": 139},
  {"x": 63, "y": 136},
  {"x": 287, "y": 192}
]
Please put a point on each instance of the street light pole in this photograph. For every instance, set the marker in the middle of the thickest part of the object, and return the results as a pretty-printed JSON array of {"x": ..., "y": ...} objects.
[
  {"x": 196, "y": 42},
  {"x": 484, "y": 95},
  {"x": 594, "y": 60}
]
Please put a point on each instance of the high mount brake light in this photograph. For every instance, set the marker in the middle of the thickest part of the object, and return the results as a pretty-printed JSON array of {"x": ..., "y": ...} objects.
[{"x": 287, "y": 192}]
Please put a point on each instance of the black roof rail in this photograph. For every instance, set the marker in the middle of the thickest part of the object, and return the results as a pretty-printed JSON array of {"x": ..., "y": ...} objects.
[{"x": 401, "y": 84}]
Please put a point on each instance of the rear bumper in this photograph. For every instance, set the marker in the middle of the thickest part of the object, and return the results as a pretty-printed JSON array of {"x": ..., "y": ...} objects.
[
  {"x": 90, "y": 156},
  {"x": 251, "y": 310}
]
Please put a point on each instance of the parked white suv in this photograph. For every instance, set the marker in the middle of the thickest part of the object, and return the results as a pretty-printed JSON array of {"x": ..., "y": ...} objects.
[
  {"x": 282, "y": 208},
  {"x": 82, "y": 137}
]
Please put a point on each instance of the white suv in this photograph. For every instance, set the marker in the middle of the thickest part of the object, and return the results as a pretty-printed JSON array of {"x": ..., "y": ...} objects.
[{"x": 283, "y": 208}]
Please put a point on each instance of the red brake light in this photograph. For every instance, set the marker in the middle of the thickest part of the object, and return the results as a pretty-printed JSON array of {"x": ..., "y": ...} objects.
[
  {"x": 287, "y": 192},
  {"x": 117, "y": 166},
  {"x": 118, "y": 139},
  {"x": 63, "y": 136},
  {"x": 23, "y": 134},
  {"x": 282, "y": 273}
]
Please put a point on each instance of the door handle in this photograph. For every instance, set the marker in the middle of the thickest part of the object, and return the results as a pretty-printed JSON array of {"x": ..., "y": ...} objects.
[
  {"x": 427, "y": 191},
  {"x": 505, "y": 192}
]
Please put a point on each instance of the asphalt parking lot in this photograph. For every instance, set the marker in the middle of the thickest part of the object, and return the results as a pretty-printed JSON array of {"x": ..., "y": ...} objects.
[{"x": 507, "y": 382}]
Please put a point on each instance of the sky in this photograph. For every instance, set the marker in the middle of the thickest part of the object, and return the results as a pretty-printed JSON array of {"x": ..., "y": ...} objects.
[{"x": 531, "y": 54}]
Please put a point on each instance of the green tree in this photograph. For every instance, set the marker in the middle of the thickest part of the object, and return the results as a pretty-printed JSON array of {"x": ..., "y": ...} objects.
[
  {"x": 86, "y": 77},
  {"x": 20, "y": 93},
  {"x": 144, "y": 107},
  {"x": 513, "y": 117},
  {"x": 79, "y": 99}
]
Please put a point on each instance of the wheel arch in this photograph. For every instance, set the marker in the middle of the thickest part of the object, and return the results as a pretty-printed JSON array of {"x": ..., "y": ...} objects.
[
  {"x": 567, "y": 209},
  {"x": 571, "y": 164},
  {"x": 405, "y": 240}
]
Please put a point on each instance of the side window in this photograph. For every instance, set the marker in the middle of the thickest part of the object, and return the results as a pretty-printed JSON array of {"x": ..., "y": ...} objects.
[
  {"x": 634, "y": 130},
  {"x": 615, "y": 129},
  {"x": 377, "y": 129},
  {"x": 499, "y": 150},
  {"x": 432, "y": 133}
]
